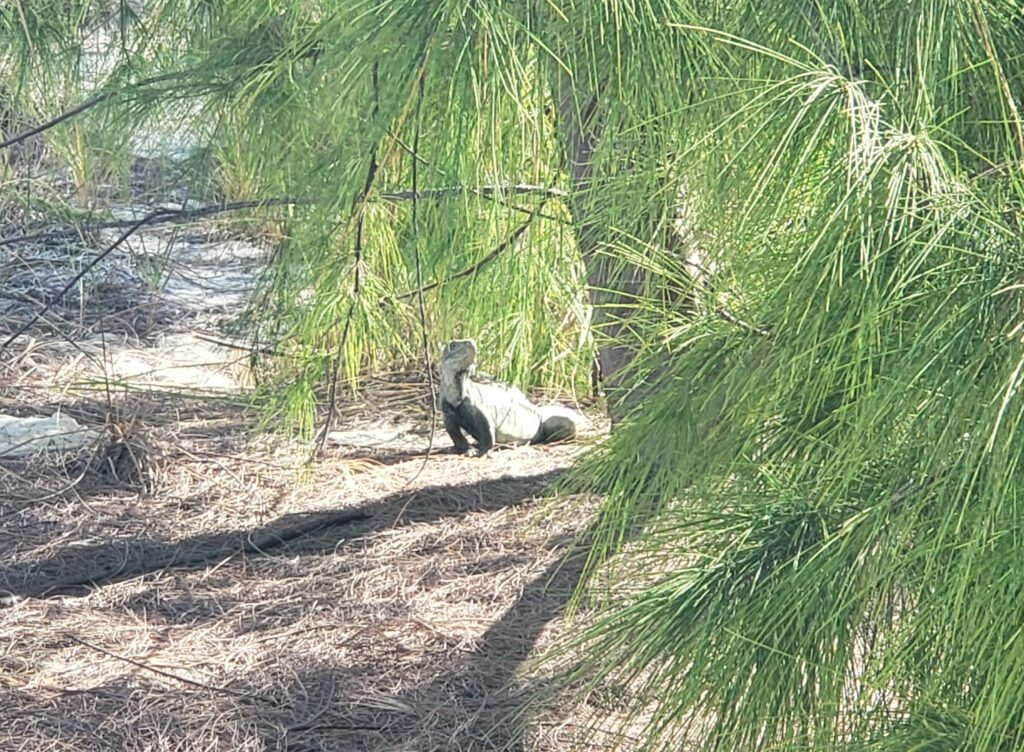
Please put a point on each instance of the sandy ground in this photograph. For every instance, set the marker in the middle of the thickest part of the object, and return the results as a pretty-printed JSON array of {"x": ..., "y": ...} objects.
[{"x": 193, "y": 585}]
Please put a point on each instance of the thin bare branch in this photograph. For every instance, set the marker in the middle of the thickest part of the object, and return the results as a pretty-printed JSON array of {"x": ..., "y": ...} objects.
[
  {"x": 167, "y": 216},
  {"x": 88, "y": 104},
  {"x": 85, "y": 270},
  {"x": 66, "y": 115},
  {"x": 176, "y": 677},
  {"x": 485, "y": 191},
  {"x": 726, "y": 315}
]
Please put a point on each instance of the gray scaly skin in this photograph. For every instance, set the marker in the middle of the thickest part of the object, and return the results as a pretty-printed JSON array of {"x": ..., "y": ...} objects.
[{"x": 492, "y": 412}]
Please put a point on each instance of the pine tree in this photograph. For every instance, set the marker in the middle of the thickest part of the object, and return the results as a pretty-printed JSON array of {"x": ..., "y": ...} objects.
[{"x": 799, "y": 219}]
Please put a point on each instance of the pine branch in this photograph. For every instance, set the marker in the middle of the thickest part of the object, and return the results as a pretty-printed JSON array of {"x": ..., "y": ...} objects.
[
  {"x": 469, "y": 271},
  {"x": 485, "y": 191}
]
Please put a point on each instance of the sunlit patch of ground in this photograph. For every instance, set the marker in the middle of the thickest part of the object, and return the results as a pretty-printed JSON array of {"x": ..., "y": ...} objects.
[
  {"x": 189, "y": 584},
  {"x": 251, "y": 605}
]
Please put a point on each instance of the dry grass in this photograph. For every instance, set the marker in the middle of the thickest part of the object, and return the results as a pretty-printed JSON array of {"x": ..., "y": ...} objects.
[
  {"x": 252, "y": 603},
  {"x": 188, "y": 584}
]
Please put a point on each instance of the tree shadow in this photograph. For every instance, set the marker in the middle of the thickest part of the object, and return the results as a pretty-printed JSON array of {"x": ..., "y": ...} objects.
[
  {"x": 473, "y": 703},
  {"x": 79, "y": 570},
  {"x": 142, "y": 710},
  {"x": 485, "y": 705}
]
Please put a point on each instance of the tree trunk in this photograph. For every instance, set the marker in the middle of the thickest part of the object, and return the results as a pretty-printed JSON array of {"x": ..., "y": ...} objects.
[{"x": 613, "y": 284}]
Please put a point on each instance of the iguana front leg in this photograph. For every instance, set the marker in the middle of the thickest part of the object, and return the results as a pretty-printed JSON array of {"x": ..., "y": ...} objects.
[
  {"x": 451, "y": 425},
  {"x": 479, "y": 427}
]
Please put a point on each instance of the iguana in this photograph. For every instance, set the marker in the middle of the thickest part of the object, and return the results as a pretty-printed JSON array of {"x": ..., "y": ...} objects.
[{"x": 492, "y": 412}]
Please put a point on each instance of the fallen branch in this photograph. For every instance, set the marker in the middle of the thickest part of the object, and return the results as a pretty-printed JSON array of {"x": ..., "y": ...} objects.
[
  {"x": 166, "y": 216},
  {"x": 168, "y": 675}
]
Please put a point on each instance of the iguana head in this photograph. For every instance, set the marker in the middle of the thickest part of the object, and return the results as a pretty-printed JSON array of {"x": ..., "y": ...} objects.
[
  {"x": 457, "y": 358},
  {"x": 458, "y": 355}
]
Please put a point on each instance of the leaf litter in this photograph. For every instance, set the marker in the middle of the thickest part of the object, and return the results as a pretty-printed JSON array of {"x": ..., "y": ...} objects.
[{"x": 193, "y": 584}]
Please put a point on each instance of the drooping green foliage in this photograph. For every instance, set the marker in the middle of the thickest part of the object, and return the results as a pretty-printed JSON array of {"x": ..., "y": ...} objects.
[
  {"x": 322, "y": 103},
  {"x": 814, "y": 518},
  {"x": 845, "y": 536}
]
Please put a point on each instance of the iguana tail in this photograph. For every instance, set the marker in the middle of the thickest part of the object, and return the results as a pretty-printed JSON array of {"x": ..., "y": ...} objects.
[{"x": 558, "y": 423}]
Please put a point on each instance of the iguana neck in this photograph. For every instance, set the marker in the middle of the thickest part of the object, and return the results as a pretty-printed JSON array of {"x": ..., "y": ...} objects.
[{"x": 453, "y": 382}]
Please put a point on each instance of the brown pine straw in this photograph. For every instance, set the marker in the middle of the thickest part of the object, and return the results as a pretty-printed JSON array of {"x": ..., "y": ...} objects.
[{"x": 202, "y": 628}]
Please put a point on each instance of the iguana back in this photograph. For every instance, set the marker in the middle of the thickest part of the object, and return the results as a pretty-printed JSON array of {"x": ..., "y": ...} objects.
[{"x": 514, "y": 419}]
